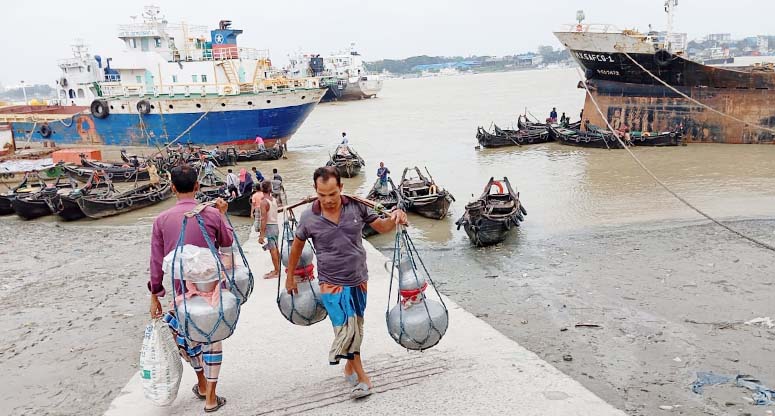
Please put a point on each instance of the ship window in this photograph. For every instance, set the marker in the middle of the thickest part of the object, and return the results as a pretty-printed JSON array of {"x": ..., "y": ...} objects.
[
  {"x": 111, "y": 107},
  {"x": 198, "y": 105},
  {"x": 71, "y": 93},
  {"x": 133, "y": 43},
  {"x": 174, "y": 78},
  {"x": 204, "y": 78},
  {"x": 88, "y": 68},
  {"x": 303, "y": 97},
  {"x": 80, "y": 93},
  {"x": 171, "y": 107},
  {"x": 139, "y": 79},
  {"x": 269, "y": 101},
  {"x": 250, "y": 102},
  {"x": 194, "y": 78},
  {"x": 223, "y": 104},
  {"x": 158, "y": 42}
]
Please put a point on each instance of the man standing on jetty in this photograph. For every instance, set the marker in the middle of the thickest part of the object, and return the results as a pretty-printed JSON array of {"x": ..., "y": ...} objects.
[
  {"x": 334, "y": 224},
  {"x": 205, "y": 359}
]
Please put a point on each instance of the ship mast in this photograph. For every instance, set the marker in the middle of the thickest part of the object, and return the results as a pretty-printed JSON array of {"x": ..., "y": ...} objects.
[{"x": 670, "y": 6}]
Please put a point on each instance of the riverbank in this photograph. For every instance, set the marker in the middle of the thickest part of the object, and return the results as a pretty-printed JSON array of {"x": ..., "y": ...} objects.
[{"x": 77, "y": 306}]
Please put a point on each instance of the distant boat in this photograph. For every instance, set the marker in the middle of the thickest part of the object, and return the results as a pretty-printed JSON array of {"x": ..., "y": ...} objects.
[{"x": 173, "y": 81}]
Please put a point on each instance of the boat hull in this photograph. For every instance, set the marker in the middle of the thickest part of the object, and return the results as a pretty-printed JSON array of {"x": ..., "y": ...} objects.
[
  {"x": 235, "y": 122},
  {"x": 100, "y": 208},
  {"x": 362, "y": 89},
  {"x": 68, "y": 209},
  {"x": 435, "y": 209},
  {"x": 31, "y": 208},
  {"x": 6, "y": 204},
  {"x": 630, "y": 95},
  {"x": 487, "y": 232}
]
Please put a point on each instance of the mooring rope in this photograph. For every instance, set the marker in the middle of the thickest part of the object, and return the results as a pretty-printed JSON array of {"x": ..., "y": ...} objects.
[
  {"x": 663, "y": 185},
  {"x": 703, "y": 105}
]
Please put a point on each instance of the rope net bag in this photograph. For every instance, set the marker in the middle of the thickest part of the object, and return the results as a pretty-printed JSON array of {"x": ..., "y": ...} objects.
[
  {"x": 208, "y": 309},
  {"x": 304, "y": 308},
  {"x": 415, "y": 322}
]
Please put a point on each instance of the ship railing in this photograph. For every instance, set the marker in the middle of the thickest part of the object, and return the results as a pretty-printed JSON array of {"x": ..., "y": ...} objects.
[
  {"x": 70, "y": 62},
  {"x": 120, "y": 90},
  {"x": 590, "y": 28},
  {"x": 234, "y": 52},
  {"x": 139, "y": 29}
]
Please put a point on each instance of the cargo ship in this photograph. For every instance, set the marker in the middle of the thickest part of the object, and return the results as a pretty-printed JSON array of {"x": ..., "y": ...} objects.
[
  {"x": 626, "y": 72},
  {"x": 172, "y": 82},
  {"x": 342, "y": 74}
]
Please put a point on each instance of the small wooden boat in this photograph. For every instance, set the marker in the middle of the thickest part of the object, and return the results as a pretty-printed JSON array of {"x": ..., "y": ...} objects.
[
  {"x": 503, "y": 138},
  {"x": 423, "y": 197},
  {"x": 347, "y": 161},
  {"x": 386, "y": 196},
  {"x": 668, "y": 138},
  {"x": 66, "y": 205},
  {"x": 596, "y": 139},
  {"x": 239, "y": 206},
  {"x": 119, "y": 203},
  {"x": 38, "y": 204},
  {"x": 115, "y": 174},
  {"x": 272, "y": 153},
  {"x": 489, "y": 219},
  {"x": 524, "y": 124},
  {"x": 28, "y": 186}
]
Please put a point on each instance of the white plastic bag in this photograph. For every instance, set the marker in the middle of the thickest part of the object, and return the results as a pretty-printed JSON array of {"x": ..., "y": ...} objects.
[
  {"x": 198, "y": 264},
  {"x": 160, "y": 365}
]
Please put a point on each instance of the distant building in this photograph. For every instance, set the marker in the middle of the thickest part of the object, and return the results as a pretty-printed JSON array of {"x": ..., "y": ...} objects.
[
  {"x": 719, "y": 37},
  {"x": 763, "y": 44},
  {"x": 528, "y": 60}
]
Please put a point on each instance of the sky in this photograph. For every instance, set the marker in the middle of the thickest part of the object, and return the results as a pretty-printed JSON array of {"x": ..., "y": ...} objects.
[{"x": 38, "y": 33}]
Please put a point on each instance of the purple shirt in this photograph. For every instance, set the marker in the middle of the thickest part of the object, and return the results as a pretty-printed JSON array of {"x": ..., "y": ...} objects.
[
  {"x": 166, "y": 232},
  {"x": 338, "y": 247}
]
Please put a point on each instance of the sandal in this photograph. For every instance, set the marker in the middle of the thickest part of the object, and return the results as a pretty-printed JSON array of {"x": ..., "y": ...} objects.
[
  {"x": 195, "y": 389},
  {"x": 360, "y": 391},
  {"x": 221, "y": 401},
  {"x": 352, "y": 379}
]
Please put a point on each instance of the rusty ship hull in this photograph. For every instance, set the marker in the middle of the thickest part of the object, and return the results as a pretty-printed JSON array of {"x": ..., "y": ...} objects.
[{"x": 629, "y": 95}]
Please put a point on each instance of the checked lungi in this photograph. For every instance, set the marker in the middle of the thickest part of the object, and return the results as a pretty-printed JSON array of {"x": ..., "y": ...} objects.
[
  {"x": 202, "y": 357},
  {"x": 345, "y": 306}
]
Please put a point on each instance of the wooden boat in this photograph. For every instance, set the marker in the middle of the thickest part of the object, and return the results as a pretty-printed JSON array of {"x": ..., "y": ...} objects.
[
  {"x": 347, "y": 161},
  {"x": 668, "y": 138},
  {"x": 38, "y": 204},
  {"x": 503, "y": 138},
  {"x": 595, "y": 139},
  {"x": 119, "y": 203},
  {"x": 386, "y": 198},
  {"x": 272, "y": 153},
  {"x": 66, "y": 205},
  {"x": 423, "y": 197},
  {"x": 524, "y": 124},
  {"x": 115, "y": 174},
  {"x": 239, "y": 206},
  {"x": 26, "y": 187},
  {"x": 489, "y": 219}
]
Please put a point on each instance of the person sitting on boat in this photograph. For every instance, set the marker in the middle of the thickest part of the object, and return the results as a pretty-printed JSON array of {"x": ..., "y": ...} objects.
[
  {"x": 204, "y": 358},
  {"x": 382, "y": 174},
  {"x": 345, "y": 140},
  {"x": 564, "y": 120},
  {"x": 214, "y": 152},
  {"x": 624, "y": 133},
  {"x": 232, "y": 184},
  {"x": 245, "y": 181},
  {"x": 553, "y": 115},
  {"x": 260, "y": 144}
]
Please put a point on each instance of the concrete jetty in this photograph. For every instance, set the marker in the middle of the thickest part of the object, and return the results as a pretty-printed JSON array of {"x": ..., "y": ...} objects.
[{"x": 272, "y": 367}]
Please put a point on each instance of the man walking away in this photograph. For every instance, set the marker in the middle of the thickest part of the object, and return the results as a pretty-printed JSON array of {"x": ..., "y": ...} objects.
[
  {"x": 345, "y": 140},
  {"x": 205, "y": 359},
  {"x": 277, "y": 187},
  {"x": 232, "y": 184},
  {"x": 334, "y": 224},
  {"x": 270, "y": 232},
  {"x": 258, "y": 175}
]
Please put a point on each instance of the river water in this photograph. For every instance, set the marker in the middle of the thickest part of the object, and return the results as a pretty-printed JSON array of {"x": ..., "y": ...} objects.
[{"x": 431, "y": 122}]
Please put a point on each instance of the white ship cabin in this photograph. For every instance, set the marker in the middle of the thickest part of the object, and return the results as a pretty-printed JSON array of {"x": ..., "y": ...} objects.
[
  {"x": 76, "y": 85},
  {"x": 181, "y": 60},
  {"x": 347, "y": 65}
]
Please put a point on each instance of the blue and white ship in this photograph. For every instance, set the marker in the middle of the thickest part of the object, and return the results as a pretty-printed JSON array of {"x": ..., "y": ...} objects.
[{"x": 173, "y": 82}]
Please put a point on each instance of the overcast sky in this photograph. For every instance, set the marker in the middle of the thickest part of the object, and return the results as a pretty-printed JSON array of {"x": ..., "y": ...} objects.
[{"x": 38, "y": 33}]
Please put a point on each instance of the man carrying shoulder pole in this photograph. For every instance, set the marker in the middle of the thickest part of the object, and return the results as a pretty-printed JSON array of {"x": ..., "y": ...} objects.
[{"x": 334, "y": 224}]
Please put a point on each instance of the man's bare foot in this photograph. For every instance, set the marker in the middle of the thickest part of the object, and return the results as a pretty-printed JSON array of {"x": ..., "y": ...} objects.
[{"x": 274, "y": 274}]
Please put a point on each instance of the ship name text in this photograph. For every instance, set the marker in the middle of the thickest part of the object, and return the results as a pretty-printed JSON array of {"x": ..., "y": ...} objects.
[{"x": 594, "y": 57}]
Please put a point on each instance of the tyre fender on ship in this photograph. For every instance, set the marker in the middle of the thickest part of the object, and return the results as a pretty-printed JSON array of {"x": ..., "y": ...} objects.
[
  {"x": 663, "y": 58},
  {"x": 45, "y": 131},
  {"x": 143, "y": 107},
  {"x": 99, "y": 108}
]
